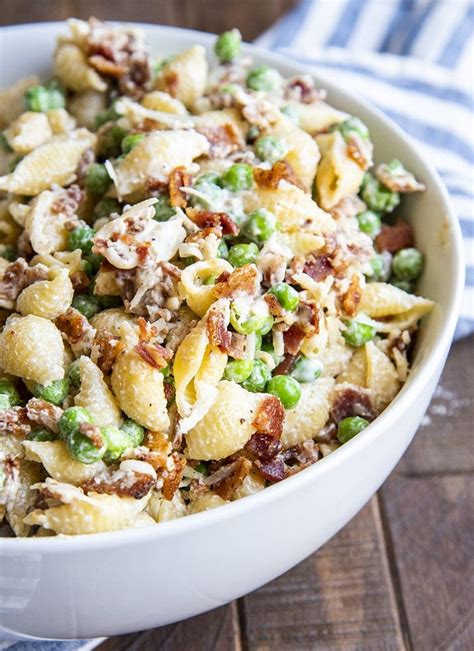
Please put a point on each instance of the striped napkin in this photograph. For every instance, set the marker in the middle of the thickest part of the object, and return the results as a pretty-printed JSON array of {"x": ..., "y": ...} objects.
[{"x": 414, "y": 59}]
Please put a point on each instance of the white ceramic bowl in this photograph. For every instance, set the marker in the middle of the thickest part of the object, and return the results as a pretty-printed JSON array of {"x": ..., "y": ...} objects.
[{"x": 112, "y": 583}]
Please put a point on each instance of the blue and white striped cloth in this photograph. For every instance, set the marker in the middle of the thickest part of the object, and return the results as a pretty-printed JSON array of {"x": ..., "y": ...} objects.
[{"x": 414, "y": 59}]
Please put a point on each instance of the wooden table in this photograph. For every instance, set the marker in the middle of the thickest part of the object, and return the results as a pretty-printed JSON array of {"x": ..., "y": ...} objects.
[{"x": 400, "y": 575}]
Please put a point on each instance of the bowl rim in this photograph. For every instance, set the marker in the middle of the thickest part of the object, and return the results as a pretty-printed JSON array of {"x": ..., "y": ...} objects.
[{"x": 409, "y": 393}]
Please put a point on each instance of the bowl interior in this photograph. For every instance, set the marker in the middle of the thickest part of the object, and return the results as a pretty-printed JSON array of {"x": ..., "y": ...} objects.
[{"x": 30, "y": 49}]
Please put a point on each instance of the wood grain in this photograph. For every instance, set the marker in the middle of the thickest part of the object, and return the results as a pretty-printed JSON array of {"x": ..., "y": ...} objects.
[
  {"x": 341, "y": 598},
  {"x": 430, "y": 522}
]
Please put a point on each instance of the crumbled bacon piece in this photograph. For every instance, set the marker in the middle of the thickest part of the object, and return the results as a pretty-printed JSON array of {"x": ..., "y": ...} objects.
[
  {"x": 92, "y": 432},
  {"x": 301, "y": 456},
  {"x": 302, "y": 89},
  {"x": 351, "y": 298},
  {"x": 217, "y": 330},
  {"x": 226, "y": 487},
  {"x": 106, "y": 350},
  {"x": 206, "y": 219},
  {"x": 124, "y": 487},
  {"x": 360, "y": 151},
  {"x": 15, "y": 421},
  {"x": 285, "y": 366},
  {"x": 273, "y": 470},
  {"x": 293, "y": 339},
  {"x": 351, "y": 400},
  {"x": 172, "y": 479},
  {"x": 155, "y": 355},
  {"x": 44, "y": 413},
  {"x": 146, "y": 290},
  {"x": 274, "y": 305},
  {"x": 271, "y": 178},
  {"x": 243, "y": 280},
  {"x": 269, "y": 417},
  {"x": 223, "y": 139},
  {"x": 155, "y": 186},
  {"x": 403, "y": 181},
  {"x": 396, "y": 237},
  {"x": 348, "y": 207},
  {"x": 169, "y": 390},
  {"x": 69, "y": 200},
  {"x": 237, "y": 345},
  {"x": 263, "y": 446},
  {"x": 178, "y": 178},
  {"x": 318, "y": 267},
  {"x": 80, "y": 281},
  {"x": 19, "y": 275},
  {"x": 76, "y": 328}
]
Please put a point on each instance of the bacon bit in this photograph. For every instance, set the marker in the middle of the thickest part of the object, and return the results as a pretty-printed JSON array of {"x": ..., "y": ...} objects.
[
  {"x": 146, "y": 331},
  {"x": 19, "y": 275},
  {"x": 73, "y": 325},
  {"x": 178, "y": 178},
  {"x": 207, "y": 218},
  {"x": 137, "y": 489},
  {"x": 301, "y": 89},
  {"x": 271, "y": 178},
  {"x": 223, "y": 139},
  {"x": 270, "y": 417},
  {"x": 169, "y": 390},
  {"x": 227, "y": 486},
  {"x": 274, "y": 305},
  {"x": 352, "y": 400},
  {"x": 92, "y": 432},
  {"x": 352, "y": 297},
  {"x": 285, "y": 366},
  {"x": 155, "y": 355},
  {"x": 273, "y": 471},
  {"x": 263, "y": 446},
  {"x": 202, "y": 234},
  {"x": 222, "y": 277},
  {"x": 143, "y": 251},
  {"x": 237, "y": 345},
  {"x": 217, "y": 331},
  {"x": 243, "y": 280},
  {"x": 318, "y": 267},
  {"x": 44, "y": 413},
  {"x": 347, "y": 207},
  {"x": 360, "y": 151},
  {"x": 155, "y": 186},
  {"x": 301, "y": 456},
  {"x": 293, "y": 339},
  {"x": 172, "y": 479},
  {"x": 80, "y": 281},
  {"x": 394, "y": 238},
  {"x": 69, "y": 200},
  {"x": 15, "y": 421},
  {"x": 402, "y": 182},
  {"x": 107, "y": 349}
]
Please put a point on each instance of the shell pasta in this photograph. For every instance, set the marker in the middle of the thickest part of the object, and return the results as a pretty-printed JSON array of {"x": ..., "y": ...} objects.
[{"x": 205, "y": 282}]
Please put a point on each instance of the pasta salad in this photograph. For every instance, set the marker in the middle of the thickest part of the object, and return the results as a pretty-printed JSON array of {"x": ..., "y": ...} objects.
[{"x": 205, "y": 285}]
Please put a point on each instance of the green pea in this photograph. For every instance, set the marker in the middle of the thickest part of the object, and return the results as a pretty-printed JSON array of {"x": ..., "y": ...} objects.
[
  {"x": 357, "y": 333},
  {"x": 41, "y": 434},
  {"x": 377, "y": 264},
  {"x": 166, "y": 370},
  {"x": 130, "y": 141},
  {"x": 71, "y": 418},
  {"x": 106, "y": 207},
  {"x": 202, "y": 468},
  {"x": 109, "y": 144},
  {"x": 292, "y": 113},
  {"x": 208, "y": 177},
  {"x": 270, "y": 148},
  {"x": 209, "y": 186},
  {"x": 92, "y": 264},
  {"x": 258, "y": 378},
  {"x": 395, "y": 168},
  {"x": 287, "y": 296},
  {"x": 163, "y": 208},
  {"x": 408, "y": 264},
  {"x": 210, "y": 280},
  {"x": 227, "y": 47},
  {"x": 9, "y": 252},
  {"x": 74, "y": 373},
  {"x": 87, "y": 305},
  {"x": 241, "y": 254},
  {"x": 349, "y": 427},
  {"x": 8, "y": 389},
  {"x": 4, "y": 402},
  {"x": 107, "y": 302},
  {"x": 55, "y": 392},
  {"x": 306, "y": 369},
  {"x": 223, "y": 250},
  {"x": 238, "y": 370},
  {"x": 267, "y": 347},
  {"x": 238, "y": 177},
  {"x": 81, "y": 238},
  {"x": 286, "y": 388},
  {"x": 369, "y": 223},
  {"x": 97, "y": 179},
  {"x": 82, "y": 449},
  {"x": 42, "y": 99},
  {"x": 353, "y": 126},
  {"x": 405, "y": 285},
  {"x": 260, "y": 225},
  {"x": 116, "y": 442},
  {"x": 263, "y": 78},
  {"x": 134, "y": 431},
  {"x": 376, "y": 196},
  {"x": 249, "y": 323},
  {"x": 107, "y": 115}
]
